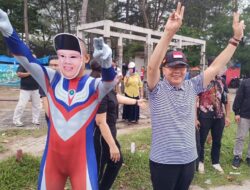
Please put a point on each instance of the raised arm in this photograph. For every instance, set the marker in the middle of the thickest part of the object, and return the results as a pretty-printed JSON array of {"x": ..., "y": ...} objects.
[
  {"x": 224, "y": 57},
  {"x": 172, "y": 26},
  {"x": 21, "y": 52},
  {"x": 103, "y": 54}
]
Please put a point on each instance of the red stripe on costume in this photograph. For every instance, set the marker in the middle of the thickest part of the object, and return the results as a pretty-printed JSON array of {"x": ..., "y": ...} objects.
[
  {"x": 78, "y": 108},
  {"x": 68, "y": 158},
  {"x": 72, "y": 86},
  {"x": 67, "y": 115}
]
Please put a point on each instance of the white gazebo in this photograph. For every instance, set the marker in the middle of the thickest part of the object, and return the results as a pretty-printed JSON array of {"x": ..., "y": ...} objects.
[{"x": 149, "y": 37}]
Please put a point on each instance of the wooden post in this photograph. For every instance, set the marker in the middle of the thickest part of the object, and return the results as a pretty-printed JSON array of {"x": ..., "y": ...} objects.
[{"x": 120, "y": 52}]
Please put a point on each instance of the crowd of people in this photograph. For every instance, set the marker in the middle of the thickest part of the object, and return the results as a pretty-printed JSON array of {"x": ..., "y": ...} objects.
[{"x": 82, "y": 109}]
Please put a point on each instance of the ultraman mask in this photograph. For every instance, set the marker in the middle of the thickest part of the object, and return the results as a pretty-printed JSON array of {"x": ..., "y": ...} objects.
[{"x": 69, "y": 54}]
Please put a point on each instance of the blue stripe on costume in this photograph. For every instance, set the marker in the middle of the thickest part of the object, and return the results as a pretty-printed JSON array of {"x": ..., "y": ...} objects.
[
  {"x": 108, "y": 74},
  {"x": 82, "y": 81},
  {"x": 65, "y": 84},
  {"x": 17, "y": 47},
  {"x": 80, "y": 86},
  {"x": 40, "y": 177},
  {"x": 90, "y": 151}
]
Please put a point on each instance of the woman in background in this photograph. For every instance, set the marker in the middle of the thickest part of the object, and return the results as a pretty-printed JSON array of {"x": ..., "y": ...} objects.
[{"x": 133, "y": 88}]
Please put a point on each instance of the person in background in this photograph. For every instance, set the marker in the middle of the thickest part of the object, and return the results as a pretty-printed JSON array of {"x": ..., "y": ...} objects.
[
  {"x": 172, "y": 105},
  {"x": 120, "y": 77},
  {"x": 118, "y": 86},
  {"x": 212, "y": 103},
  {"x": 53, "y": 64},
  {"x": 241, "y": 108},
  {"x": 133, "y": 89},
  {"x": 142, "y": 73},
  {"x": 108, "y": 151},
  {"x": 28, "y": 91}
]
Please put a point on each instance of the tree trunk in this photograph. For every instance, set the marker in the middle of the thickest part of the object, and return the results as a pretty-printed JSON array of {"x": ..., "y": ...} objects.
[
  {"x": 143, "y": 9},
  {"x": 84, "y": 11},
  {"x": 26, "y": 25},
  {"x": 127, "y": 11},
  {"x": 67, "y": 15},
  {"x": 62, "y": 16}
]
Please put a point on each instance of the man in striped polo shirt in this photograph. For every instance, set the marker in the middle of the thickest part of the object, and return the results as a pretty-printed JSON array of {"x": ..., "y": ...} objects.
[{"x": 172, "y": 105}]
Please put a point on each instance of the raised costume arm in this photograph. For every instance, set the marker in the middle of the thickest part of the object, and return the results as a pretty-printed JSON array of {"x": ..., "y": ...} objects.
[
  {"x": 22, "y": 52},
  {"x": 103, "y": 54}
]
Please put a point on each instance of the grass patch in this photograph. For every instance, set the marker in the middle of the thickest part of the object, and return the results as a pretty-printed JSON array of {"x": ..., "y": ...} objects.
[
  {"x": 19, "y": 175},
  {"x": 2, "y": 149},
  {"x": 134, "y": 174},
  {"x": 226, "y": 158}
]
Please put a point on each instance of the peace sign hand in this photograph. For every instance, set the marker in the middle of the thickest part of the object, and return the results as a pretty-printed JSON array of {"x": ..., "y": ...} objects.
[
  {"x": 238, "y": 26},
  {"x": 175, "y": 20}
]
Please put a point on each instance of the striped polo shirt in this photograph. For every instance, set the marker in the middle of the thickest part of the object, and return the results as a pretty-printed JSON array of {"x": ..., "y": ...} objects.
[{"x": 173, "y": 121}]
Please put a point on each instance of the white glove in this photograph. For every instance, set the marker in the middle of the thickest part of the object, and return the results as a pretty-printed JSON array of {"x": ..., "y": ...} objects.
[
  {"x": 102, "y": 53},
  {"x": 5, "y": 26}
]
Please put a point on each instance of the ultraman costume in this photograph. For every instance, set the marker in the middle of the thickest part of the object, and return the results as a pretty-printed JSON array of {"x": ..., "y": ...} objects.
[{"x": 69, "y": 150}]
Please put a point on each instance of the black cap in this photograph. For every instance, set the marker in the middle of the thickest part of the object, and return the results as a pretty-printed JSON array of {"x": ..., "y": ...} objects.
[
  {"x": 173, "y": 58},
  {"x": 67, "y": 42}
]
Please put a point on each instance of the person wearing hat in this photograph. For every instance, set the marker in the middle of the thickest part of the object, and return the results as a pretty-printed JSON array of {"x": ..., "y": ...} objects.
[
  {"x": 172, "y": 105},
  {"x": 73, "y": 99},
  {"x": 132, "y": 89}
]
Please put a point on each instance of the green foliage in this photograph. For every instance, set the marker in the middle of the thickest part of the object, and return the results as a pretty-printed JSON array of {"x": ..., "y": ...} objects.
[
  {"x": 131, "y": 49},
  {"x": 192, "y": 52},
  {"x": 2, "y": 148},
  {"x": 135, "y": 172},
  {"x": 15, "y": 9},
  {"x": 193, "y": 55},
  {"x": 19, "y": 175}
]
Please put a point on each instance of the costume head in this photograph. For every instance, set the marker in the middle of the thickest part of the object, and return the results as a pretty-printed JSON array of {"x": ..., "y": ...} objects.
[
  {"x": 174, "y": 67},
  {"x": 71, "y": 55}
]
